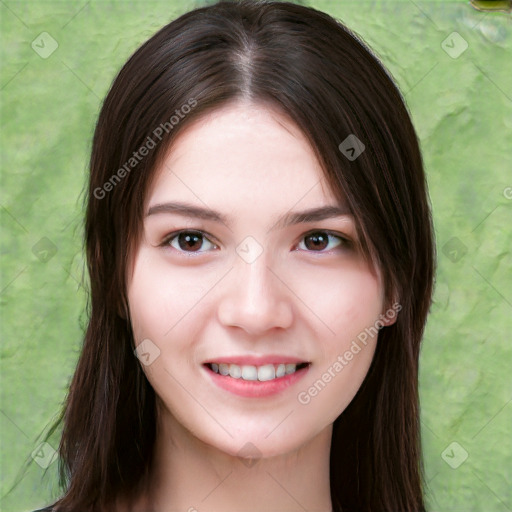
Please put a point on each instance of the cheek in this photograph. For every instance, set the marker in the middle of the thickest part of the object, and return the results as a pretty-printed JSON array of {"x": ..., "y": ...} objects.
[
  {"x": 351, "y": 307},
  {"x": 166, "y": 309},
  {"x": 147, "y": 310},
  {"x": 161, "y": 297},
  {"x": 346, "y": 302},
  {"x": 358, "y": 305}
]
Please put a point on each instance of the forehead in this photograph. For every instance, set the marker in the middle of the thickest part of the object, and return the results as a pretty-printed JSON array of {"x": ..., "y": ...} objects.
[{"x": 242, "y": 155}]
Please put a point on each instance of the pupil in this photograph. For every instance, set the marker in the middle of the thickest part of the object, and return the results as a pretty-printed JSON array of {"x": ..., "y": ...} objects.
[
  {"x": 189, "y": 241},
  {"x": 320, "y": 241}
]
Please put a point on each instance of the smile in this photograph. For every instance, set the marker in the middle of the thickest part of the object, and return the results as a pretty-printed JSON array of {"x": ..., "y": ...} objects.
[
  {"x": 256, "y": 373},
  {"x": 256, "y": 381}
]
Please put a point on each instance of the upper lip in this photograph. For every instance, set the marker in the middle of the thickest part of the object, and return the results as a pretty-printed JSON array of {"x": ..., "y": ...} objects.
[{"x": 256, "y": 360}]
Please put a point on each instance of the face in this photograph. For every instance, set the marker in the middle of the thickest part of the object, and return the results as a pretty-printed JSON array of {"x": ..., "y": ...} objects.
[{"x": 277, "y": 300}]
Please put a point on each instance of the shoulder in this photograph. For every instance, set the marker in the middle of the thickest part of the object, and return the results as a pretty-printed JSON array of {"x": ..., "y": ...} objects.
[{"x": 47, "y": 509}]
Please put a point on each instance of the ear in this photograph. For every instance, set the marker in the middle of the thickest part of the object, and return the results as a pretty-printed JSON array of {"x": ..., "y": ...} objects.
[{"x": 389, "y": 316}]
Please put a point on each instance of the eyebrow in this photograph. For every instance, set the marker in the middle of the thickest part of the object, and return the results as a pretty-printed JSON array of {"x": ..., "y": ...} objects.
[{"x": 289, "y": 219}]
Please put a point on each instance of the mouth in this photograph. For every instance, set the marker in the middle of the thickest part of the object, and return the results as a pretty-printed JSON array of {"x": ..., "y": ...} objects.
[{"x": 252, "y": 373}]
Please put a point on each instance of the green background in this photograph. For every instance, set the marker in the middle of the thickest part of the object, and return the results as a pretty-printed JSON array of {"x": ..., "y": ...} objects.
[{"x": 461, "y": 106}]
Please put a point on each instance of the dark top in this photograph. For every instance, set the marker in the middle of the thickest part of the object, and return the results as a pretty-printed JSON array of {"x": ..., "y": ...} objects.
[{"x": 47, "y": 509}]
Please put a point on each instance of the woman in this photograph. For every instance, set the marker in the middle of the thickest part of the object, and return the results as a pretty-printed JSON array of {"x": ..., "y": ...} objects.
[{"x": 261, "y": 260}]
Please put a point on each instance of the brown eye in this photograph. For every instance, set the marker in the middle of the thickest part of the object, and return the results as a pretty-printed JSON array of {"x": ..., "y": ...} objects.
[
  {"x": 319, "y": 241},
  {"x": 188, "y": 241}
]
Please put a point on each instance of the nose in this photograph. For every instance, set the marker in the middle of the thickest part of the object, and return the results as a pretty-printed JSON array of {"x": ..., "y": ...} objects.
[{"x": 255, "y": 298}]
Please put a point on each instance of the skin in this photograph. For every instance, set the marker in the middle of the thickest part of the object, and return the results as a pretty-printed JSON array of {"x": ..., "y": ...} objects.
[{"x": 254, "y": 165}]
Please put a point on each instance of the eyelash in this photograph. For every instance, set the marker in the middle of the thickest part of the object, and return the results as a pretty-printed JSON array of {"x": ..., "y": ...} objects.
[{"x": 345, "y": 242}]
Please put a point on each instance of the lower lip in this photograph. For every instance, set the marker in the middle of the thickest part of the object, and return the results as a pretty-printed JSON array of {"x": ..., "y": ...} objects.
[{"x": 256, "y": 388}]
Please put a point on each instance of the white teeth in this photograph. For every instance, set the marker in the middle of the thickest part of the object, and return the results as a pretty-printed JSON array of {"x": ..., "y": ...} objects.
[
  {"x": 250, "y": 372},
  {"x": 235, "y": 371},
  {"x": 267, "y": 372}
]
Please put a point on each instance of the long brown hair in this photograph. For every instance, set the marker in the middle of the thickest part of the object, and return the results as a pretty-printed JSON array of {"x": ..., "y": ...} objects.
[{"x": 326, "y": 80}]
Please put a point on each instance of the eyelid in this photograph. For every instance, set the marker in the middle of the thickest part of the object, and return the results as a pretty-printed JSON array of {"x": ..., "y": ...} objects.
[
  {"x": 335, "y": 234},
  {"x": 170, "y": 236},
  {"x": 345, "y": 240}
]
